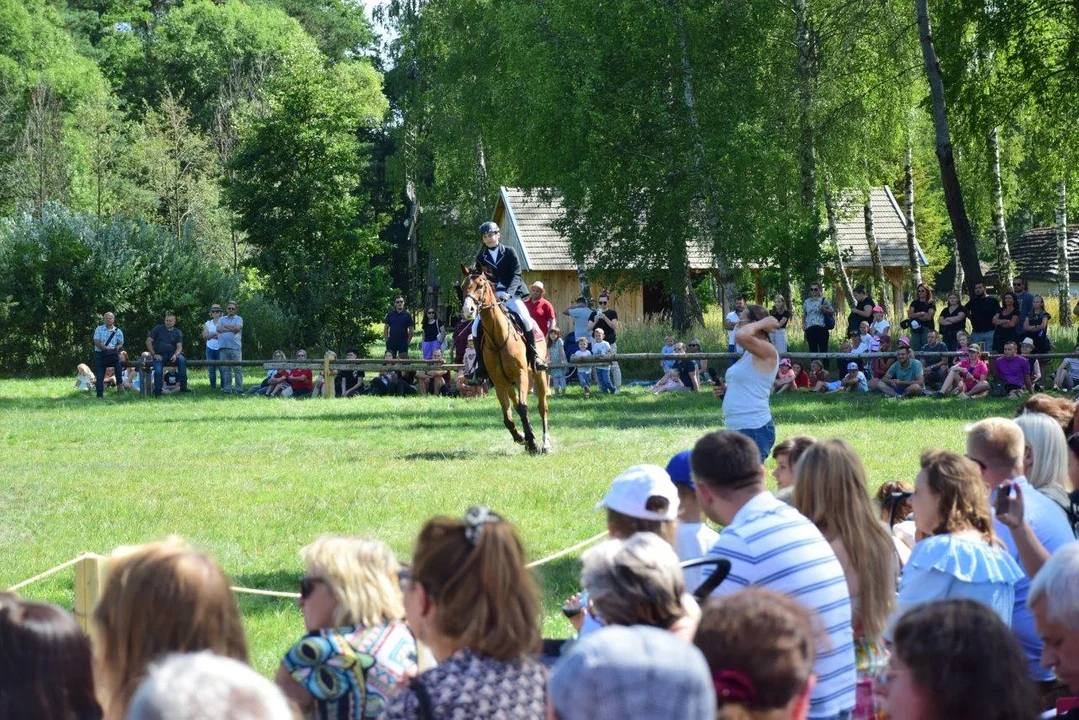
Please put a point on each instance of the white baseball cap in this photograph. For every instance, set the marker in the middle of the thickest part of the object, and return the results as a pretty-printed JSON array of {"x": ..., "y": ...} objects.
[
  {"x": 852, "y": 366},
  {"x": 630, "y": 491},
  {"x": 539, "y": 284}
]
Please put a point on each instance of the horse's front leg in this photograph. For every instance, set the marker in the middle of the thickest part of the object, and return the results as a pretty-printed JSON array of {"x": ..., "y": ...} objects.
[{"x": 503, "y": 393}]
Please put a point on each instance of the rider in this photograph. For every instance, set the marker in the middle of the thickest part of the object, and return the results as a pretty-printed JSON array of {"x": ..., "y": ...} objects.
[{"x": 505, "y": 268}]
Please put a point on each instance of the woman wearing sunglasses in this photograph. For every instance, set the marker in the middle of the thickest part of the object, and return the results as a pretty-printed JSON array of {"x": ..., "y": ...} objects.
[
  {"x": 472, "y": 601},
  {"x": 357, "y": 649}
]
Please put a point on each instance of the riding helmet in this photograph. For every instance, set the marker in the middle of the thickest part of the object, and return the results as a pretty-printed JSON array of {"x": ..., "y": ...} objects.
[{"x": 489, "y": 227}]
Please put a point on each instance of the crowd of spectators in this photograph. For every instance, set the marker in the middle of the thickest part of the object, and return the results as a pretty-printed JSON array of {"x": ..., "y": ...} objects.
[{"x": 828, "y": 604}]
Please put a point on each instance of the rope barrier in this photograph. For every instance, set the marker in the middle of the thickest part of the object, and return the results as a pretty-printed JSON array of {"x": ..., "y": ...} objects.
[
  {"x": 51, "y": 571},
  {"x": 567, "y": 551},
  {"x": 268, "y": 593}
]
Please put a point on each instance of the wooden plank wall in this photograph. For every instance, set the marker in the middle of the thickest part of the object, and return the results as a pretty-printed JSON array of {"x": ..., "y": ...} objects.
[{"x": 562, "y": 290}]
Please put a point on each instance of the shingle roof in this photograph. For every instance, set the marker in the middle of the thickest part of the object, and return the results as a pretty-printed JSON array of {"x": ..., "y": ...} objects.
[
  {"x": 531, "y": 215},
  {"x": 889, "y": 227},
  {"x": 1035, "y": 254}
]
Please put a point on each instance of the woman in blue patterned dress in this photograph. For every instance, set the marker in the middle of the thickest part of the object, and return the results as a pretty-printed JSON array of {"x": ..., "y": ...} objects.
[{"x": 357, "y": 649}]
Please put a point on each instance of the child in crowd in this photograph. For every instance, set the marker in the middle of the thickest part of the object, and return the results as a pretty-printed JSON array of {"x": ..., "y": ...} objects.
[
  {"x": 801, "y": 378},
  {"x": 784, "y": 381},
  {"x": 817, "y": 374},
  {"x": 667, "y": 349},
  {"x": 556, "y": 355},
  {"x": 694, "y": 538},
  {"x": 84, "y": 378},
  {"x": 469, "y": 358},
  {"x": 584, "y": 372},
  {"x": 1067, "y": 376},
  {"x": 603, "y": 374},
  {"x": 880, "y": 325},
  {"x": 1026, "y": 349},
  {"x": 894, "y": 500},
  {"x": 853, "y": 381},
  {"x": 670, "y": 382},
  {"x": 171, "y": 381},
  {"x": 879, "y": 366}
]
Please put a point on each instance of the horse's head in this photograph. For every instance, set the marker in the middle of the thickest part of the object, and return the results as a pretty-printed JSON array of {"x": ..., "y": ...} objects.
[{"x": 477, "y": 291}]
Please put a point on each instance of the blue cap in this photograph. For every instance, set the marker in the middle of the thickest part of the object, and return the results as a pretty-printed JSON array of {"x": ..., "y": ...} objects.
[{"x": 678, "y": 469}]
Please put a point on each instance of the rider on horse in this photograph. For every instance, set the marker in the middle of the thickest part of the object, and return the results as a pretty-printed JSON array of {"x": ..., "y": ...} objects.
[{"x": 505, "y": 268}]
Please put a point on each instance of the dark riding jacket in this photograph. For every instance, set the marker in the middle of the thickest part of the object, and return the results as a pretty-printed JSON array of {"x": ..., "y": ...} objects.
[{"x": 507, "y": 271}]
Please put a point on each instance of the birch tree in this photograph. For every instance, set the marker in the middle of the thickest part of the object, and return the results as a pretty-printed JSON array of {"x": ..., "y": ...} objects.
[
  {"x": 1063, "y": 265},
  {"x": 912, "y": 235}
]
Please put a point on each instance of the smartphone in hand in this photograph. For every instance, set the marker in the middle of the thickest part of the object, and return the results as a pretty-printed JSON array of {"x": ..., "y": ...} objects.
[{"x": 1003, "y": 504}]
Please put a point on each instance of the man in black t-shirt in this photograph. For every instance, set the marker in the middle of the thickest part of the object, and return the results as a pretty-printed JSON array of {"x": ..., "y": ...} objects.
[
  {"x": 687, "y": 373},
  {"x": 980, "y": 309},
  {"x": 349, "y": 382},
  {"x": 862, "y": 310},
  {"x": 166, "y": 344},
  {"x": 606, "y": 320},
  {"x": 398, "y": 329}
]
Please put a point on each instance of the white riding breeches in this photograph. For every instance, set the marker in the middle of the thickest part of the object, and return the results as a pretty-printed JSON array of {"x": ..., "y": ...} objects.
[{"x": 515, "y": 304}]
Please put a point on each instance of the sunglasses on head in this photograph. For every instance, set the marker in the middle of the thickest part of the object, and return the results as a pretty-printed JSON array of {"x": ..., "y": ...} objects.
[{"x": 307, "y": 585}]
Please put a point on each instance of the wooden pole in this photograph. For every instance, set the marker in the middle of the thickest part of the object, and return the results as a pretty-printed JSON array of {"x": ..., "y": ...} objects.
[{"x": 89, "y": 582}]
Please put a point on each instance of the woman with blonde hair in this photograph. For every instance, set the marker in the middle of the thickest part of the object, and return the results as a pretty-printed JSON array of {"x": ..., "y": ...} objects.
[
  {"x": 1045, "y": 462},
  {"x": 760, "y": 647},
  {"x": 959, "y": 555},
  {"x": 471, "y": 599},
  {"x": 830, "y": 489},
  {"x": 160, "y": 598},
  {"x": 357, "y": 649}
]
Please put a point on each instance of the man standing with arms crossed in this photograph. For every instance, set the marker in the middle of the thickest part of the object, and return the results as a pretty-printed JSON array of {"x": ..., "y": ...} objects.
[
  {"x": 230, "y": 340},
  {"x": 213, "y": 348}
]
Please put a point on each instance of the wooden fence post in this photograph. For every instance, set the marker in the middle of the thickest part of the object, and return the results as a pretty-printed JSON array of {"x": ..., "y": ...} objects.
[{"x": 89, "y": 581}]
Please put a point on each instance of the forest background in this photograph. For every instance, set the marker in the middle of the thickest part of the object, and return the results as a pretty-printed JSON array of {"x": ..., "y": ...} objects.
[{"x": 294, "y": 155}]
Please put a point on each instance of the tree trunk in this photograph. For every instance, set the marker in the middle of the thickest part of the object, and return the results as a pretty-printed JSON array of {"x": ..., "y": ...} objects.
[
  {"x": 957, "y": 281},
  {"x": 807, "y": 72},
  {"x": 481, "y": 180},
  {"x": 879, "y": 281},
  {"x": 953, "y": 192},
  {"x": 583, "y": 284},
  {"x": 412, "y": 240},
  {"x": 1063, "y": 266},
  {"x": 1000, "y": 232},
  {"x": 912, "y": 235},
  {"x": 833, "y": 234},
  {"x": 711, "y": 203}
]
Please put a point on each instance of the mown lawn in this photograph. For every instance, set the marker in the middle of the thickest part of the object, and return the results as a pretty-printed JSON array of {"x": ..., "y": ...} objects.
[{"x": 252, "y": 480}]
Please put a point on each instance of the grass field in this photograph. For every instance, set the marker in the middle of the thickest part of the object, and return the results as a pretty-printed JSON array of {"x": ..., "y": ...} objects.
[{"x": 252, "y": 480}]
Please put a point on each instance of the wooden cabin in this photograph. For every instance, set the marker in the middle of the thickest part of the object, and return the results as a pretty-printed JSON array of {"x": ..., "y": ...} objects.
[{"x": 526, "y": 220}]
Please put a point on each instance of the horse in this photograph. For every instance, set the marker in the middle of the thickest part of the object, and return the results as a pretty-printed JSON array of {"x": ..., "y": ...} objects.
[{"x": 505, "y": 359}]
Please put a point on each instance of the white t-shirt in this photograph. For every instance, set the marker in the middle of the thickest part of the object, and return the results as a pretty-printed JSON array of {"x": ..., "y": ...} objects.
[
  {"x": 211, "y": 343},
  {"x": 733, "y": 317},
  {"x": 880, "y": 326},
  {"x": 692, "y": 541}
]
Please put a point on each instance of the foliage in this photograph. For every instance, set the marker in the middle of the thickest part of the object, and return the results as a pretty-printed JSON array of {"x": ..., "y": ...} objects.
[{"x": 296, "y": 193}]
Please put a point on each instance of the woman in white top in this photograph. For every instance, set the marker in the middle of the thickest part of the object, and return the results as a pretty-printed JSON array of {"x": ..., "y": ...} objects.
[{"x": 749, "y": 380}]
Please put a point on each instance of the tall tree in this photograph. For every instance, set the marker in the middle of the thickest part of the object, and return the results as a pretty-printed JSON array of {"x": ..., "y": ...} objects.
[
  {"x": 1063, "y": 265},
  {"x": 953, "y": 192},
  {"x": 1000, "y": 231},
  {"x": 912, "y": 235}
]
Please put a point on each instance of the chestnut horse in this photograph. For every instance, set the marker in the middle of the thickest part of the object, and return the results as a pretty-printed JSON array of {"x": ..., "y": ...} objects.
[{"x": 505, "y": 359}]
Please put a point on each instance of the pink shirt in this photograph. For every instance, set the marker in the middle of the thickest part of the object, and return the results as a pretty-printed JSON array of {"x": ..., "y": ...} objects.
[{"x": 980, "y": 371}]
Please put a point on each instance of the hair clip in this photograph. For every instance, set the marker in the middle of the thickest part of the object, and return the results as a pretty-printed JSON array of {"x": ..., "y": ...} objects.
[
  {"x": 735, "y": 687},
  {"x": 475, "y": 519}
]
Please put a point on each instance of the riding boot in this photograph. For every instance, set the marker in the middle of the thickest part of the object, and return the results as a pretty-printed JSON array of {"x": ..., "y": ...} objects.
[
  {"x": 479, "y": 376},
  {"x": 534, "y": 360}
]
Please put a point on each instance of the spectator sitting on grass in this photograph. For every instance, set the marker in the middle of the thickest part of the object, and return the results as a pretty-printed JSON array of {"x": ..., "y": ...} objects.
[
  {"x": 786, "y": 455},
  {"x": 84, "y": 377},
  {"x": 968, "y": 377},
  {"x": 760, "y": 647},
  {"x": 602, "y": 347},
  {"x": 434, "y": 378},
  {"x": 688, "y": 372},
  {"x": 170, "y": 381},
  {"x": 131, "y": 374},
  {"x": 1026, "y": 349},
  {"x": 1013, "y": 370},
  {"x": 694, "y": 538},
  {"x": 784, "y": 381},
  {"x": 584, "y": 372},
  {"x": 817, "y": 374},
  {"x": 936, "y": 366},
  {"x": 904, "y": 377},
  {"x": 470, "y": 598},
  {"x": 46, "y": 661},
  {"x": 385, "y": 383},
  {"x": 160, "y": 598},
  {"x": 273, "y": 377},
  {"x": 853, "y": 381},
  {"x": 1067, "y": 376},
  {"x": 350, "y": 382},
  {"x": 299, "y": 378},
  {"x": 801, "y": 377},
  {"x": 352, "y": 608},
  {"x": 878, "y": 367}
]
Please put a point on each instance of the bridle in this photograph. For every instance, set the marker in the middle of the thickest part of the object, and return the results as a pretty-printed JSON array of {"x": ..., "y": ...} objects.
[{"x": 476, "y": 300}]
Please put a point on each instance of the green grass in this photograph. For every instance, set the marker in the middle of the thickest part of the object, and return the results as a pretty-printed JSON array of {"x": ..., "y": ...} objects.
[{"x": 251, "y": 480}]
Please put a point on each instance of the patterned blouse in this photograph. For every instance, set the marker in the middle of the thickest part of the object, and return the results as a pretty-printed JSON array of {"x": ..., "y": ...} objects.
[
  {"x": 472, "y": 686},
  {"x": 352, "y": 671}
]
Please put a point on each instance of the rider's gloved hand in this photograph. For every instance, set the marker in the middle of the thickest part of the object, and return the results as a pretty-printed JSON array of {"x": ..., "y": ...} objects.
[{"x": 502, "y": 294}]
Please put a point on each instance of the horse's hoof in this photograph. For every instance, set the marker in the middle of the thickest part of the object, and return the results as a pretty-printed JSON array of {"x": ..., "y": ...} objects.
[
  {"x": 546, "y": 449},
  {"x": 519, "y": 440},
  {"x": 532, "y": 450}
]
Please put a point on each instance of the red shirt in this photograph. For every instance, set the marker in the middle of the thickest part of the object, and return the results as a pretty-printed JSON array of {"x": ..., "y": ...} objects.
[
  {"x": 300, "y": 379},
  {"x": 801, "y": 380},
  {"x": 542, "y": 312}
]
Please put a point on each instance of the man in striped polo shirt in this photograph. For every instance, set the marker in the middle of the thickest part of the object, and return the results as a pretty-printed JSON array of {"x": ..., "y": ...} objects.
[{"x": 771, "y": 545}]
